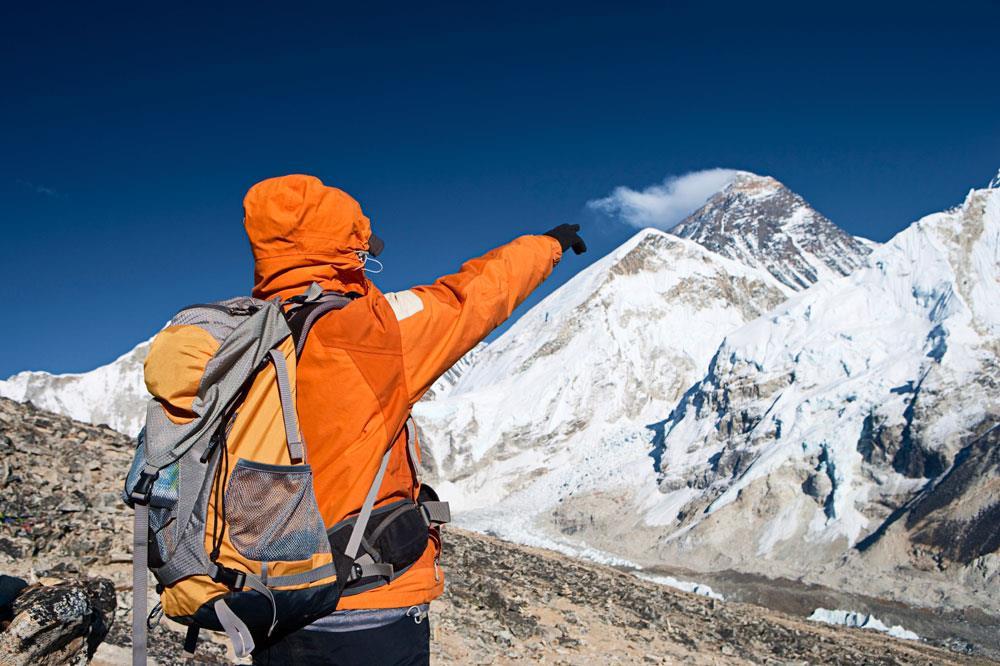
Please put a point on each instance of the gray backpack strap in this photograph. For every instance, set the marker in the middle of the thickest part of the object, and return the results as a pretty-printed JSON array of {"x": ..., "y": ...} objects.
[
  {"x": 354, "y": 542},
  {"x": 140, "y": 558},
  {"x": 237, "y": 579},
  {"x": 351, "y": 558},
  {"x": 239, "y": 634},
  {"x": 296, "y": 451},
  {"x": 367, "y": 566},
  {"x": 348, "y": 568},
  {"x": 324, "y": 304},
  {"x": 313, "y": 292},
  {"x": 257, "y": 585},
  {"x": 319, "y": 573},
  {"x": 436, "y": 512},
  {"x": 307, "y": 308},
  {"x": 411, "y": 446}
]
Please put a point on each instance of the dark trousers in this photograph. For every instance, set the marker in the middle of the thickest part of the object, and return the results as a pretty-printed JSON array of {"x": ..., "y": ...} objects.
[{"x": 402, "y": 643}]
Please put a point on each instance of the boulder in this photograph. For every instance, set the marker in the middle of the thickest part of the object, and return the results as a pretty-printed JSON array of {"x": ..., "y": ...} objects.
[{"x": 59, "y": 622}]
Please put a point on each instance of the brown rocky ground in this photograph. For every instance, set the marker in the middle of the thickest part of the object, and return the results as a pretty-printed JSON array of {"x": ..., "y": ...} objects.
[
  {"x": 509, "y": 603},
  {"x": 60, "y": 517}
]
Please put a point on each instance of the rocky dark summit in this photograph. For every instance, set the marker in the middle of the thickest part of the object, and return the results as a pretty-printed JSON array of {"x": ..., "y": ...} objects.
[{"x": 758, "y": 221}]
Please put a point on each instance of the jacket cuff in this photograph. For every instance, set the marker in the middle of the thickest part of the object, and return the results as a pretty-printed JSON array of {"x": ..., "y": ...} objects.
[{"x": 556, "y": 248}]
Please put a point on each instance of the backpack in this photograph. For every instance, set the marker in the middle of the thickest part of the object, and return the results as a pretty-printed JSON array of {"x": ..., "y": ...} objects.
[{"x": 225, "y": 513}]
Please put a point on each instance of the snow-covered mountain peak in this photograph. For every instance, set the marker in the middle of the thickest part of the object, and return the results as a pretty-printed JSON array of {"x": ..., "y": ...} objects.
[
  {"x": 948, "y": 264},
  {"x": 758, "y": 221},
  {"x": 113, "y": 394},
  {"x": 857, "y": 391},
  {"x": 754, "y": 185}
]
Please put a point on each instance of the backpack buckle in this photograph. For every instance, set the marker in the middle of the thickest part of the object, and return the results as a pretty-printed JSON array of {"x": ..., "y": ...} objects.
[
  {"x": 142, "y": 493},
  {"x": 213, "y": 442},
  {"x": 231, "y": 578}
]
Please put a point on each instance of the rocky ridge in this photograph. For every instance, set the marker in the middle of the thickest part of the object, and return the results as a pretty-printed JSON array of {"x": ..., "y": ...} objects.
[{"x": 512, "y": 604}]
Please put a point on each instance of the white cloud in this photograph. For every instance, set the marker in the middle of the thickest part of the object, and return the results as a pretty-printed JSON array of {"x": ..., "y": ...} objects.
[
  {"x": 665, "y": 204},
  {"x": 37, "y": 189}
]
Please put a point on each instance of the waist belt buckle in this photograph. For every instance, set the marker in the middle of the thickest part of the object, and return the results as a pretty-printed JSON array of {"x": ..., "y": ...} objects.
[{"x": 234, "y": 579}]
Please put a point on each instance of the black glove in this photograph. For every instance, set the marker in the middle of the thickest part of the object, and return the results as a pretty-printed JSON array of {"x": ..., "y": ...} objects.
[{"x": 568, "y": 237}]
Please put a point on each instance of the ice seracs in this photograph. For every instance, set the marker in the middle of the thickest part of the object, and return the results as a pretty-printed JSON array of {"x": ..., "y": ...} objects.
[{"x": 861, "y": 621}]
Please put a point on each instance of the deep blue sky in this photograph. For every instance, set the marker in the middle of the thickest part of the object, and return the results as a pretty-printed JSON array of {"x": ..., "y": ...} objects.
[{"x": 130, "y": 136}]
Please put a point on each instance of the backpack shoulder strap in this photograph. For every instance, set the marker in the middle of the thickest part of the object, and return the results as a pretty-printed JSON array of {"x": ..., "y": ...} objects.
[
  {"x": 435, "y": 511},
  {"x": 308, "y": 308}
]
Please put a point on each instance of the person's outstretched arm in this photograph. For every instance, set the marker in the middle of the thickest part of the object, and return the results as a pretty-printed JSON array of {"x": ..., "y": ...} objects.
[{"x": 439, "y": 323}]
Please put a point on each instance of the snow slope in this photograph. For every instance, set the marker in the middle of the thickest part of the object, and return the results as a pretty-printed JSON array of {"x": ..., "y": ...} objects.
[{"x": 573, "y": 384}]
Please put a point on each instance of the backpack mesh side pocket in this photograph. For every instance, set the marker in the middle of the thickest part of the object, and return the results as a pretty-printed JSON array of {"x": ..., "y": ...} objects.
[{"x": 272, "y": 514}]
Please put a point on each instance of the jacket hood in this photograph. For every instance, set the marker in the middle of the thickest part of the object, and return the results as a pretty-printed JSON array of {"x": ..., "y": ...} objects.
[{"x": 302, "y": 231}]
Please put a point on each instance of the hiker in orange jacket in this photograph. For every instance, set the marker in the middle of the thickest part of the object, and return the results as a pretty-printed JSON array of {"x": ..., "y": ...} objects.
[{"x": 361, "y": 371}]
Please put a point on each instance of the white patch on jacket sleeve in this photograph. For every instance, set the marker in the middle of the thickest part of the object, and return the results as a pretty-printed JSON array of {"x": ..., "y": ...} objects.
[{"x": 404, "y": 303}]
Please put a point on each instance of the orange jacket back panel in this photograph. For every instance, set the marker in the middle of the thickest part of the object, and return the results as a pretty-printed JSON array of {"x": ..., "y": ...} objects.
[{"x": 365, "y": 366}]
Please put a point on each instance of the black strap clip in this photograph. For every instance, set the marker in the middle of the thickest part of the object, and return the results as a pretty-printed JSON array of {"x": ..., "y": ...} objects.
[
  {"x": 212, "y": 443},
  {"x": 142, "y": 493},
  {"x": 231, "y": 578}
]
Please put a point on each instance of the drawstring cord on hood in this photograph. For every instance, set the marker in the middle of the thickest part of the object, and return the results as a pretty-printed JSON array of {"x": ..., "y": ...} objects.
[{"x": 365, "y": 259}]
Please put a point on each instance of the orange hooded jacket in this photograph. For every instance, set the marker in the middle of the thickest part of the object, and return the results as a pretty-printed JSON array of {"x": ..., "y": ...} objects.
[{"x": 365, "y": 366}]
